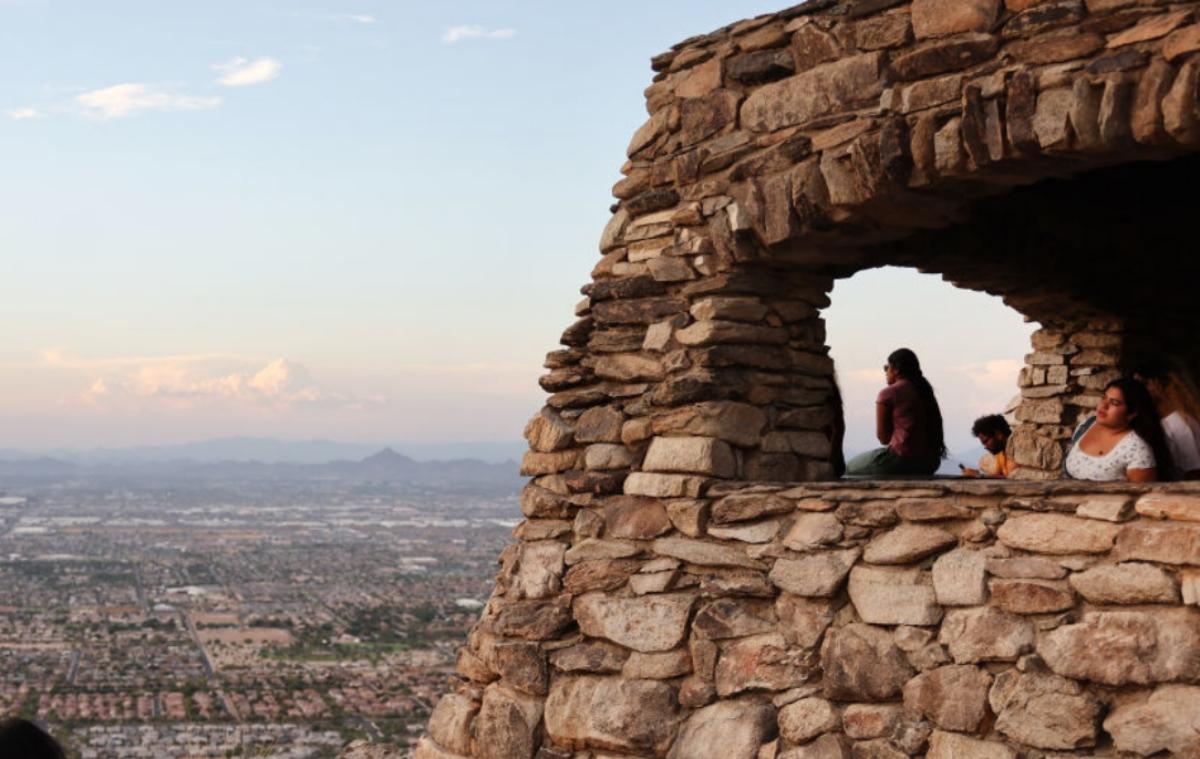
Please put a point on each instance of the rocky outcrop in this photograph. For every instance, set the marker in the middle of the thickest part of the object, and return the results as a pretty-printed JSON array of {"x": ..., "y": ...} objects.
[{"x": 690, "y": 581}]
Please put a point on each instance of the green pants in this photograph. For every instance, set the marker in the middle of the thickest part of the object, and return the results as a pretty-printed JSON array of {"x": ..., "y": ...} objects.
[{"x": 884, "y": 462}]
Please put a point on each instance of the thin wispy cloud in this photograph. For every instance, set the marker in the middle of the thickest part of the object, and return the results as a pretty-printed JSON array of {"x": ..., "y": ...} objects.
[
  {"x": 358, "y": 18},
  {"x": 96, "y": 392},
  {"x": 241, "y": 72},
  {"x": 24, "y": 114},
  {"x": 130, "y": 98},
  {"x": 475, "y": 32}
]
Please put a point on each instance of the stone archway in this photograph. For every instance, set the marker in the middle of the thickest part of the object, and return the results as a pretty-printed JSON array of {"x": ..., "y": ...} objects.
[{"x": 668, "y": 597}]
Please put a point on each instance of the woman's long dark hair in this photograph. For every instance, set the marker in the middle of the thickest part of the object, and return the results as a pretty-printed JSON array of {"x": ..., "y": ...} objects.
[
  {"x": 908, "y": 366},
  {"x": 1145, "y": 422}
]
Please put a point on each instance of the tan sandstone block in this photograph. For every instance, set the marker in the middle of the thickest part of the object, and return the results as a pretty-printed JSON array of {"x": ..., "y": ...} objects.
[
  {"x": 702, "y": 455},
  {"x": 647, "y": 624},
  {"x": 727, "y": 729},
  {"x": 663, "y": 485},
  {"x": 1169, "y": 720},
  {"x": 939, "y": 18},
  {"x": 1179, "y": 507},
  {"x": 944, "y": 745},
  {"x": 894, "y": 596},
  {"x": 632, "y": 716},
  {"x": 1139, "y": 647},
  {"x": 1056, "y": 534}
]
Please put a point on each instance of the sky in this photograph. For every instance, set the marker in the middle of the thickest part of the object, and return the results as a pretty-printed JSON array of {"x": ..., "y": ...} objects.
[{"x": 351, "y": 220}]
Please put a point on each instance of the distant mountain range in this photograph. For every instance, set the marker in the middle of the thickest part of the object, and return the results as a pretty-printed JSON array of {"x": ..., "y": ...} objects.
[
  {"x": 166, "y": 465},
  {"x": 273, "y": 450}
]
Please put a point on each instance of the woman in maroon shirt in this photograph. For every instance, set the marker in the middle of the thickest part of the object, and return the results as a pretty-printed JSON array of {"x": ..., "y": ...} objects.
[{"x": 908, "y": 422}]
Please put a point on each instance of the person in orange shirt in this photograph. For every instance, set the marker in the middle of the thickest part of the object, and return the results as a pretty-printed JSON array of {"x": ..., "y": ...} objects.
[{"x": 993, "y": 432}]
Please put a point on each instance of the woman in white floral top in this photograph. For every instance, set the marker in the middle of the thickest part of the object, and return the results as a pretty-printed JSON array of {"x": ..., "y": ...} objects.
[{"x": 1123, "y": 441}]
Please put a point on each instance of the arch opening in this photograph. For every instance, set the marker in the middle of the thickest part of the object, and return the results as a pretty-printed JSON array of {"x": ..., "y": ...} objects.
[
  {"x": 970, "y": 344},
  {"x": 1099, "y": 260}
]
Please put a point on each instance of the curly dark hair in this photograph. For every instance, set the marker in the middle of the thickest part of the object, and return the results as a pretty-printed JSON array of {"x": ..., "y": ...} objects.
[{"x": 990, "y": 424}]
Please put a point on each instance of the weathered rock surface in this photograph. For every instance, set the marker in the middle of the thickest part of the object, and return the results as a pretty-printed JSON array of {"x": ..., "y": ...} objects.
[
  {"x": 1031, "y": 596},
  {"x": 1044, "y": 710},
  {"x": 632, "y": 716},
  {"x": 818, "y": 574},
  {"x": 635, "y": 518},
  {"x": 862, "y": 663},
  {"x": 426, "y": 749},
  {"x": 740, "y": 508},
  {"x": 701, "y": 455},
  {"x": 985, "y": 634},
  {"x": 943, "y": 745},
  {"x": 450, "y": 723},
  {"x": 907, "y": 543},
  {"x": 1168, "y": 720},
  {"x": 813, "y": 530},
  {"x": 1057, "y": 534},
  {"x": 829, "y": 746},
  {"x": 1166, "y": 543},
  {"x": 647, "y": 624},
  {"x": 953, "y": 697},
  {"x": 1129, "y": 583},
  {"x": 803, "y": 620},
  {"x": 866, "y": 721},
  {"x": 734, "y": 618},
  {"x": 759, "y": 662},
  {"x": 725, "y": 730},
  {"x": 1126, "y": 647},
  {"x": 803, "y": 720},
  {"x": 887, "y": 596},
  {"x": 540, "y": 567},
  {"x": 593, "y": 656},
  {"x": 507, "y": 724},
  {"x": 704, "y": 553},
  {"x": 814, "y": 93},
  {"x": 737, "y": 423},
  {"x": 960, "y": 578}
]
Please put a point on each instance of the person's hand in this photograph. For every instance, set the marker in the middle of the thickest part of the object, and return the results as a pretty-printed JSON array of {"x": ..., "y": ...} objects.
[{"x": 969, "y": 472}]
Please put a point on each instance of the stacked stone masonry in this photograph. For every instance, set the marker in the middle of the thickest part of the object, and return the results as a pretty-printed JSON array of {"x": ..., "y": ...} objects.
[
  {"x": 688, "y": 582},
  {"x": 946, "y": 619}
]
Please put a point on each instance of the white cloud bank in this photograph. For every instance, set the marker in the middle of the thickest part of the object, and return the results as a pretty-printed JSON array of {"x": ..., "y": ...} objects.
[
  {"x": 241, "y": 72},
  {"x": 475, "y": 32},
  {"x": 129, "y": 98},
  {"x": 24, "y": 114},
  {"x": 191, "y": 380}
]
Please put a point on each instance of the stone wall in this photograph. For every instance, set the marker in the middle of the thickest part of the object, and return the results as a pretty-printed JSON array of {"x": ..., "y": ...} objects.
[
  {"x": 669, "y": 596},
  {"x": 947, "y": 619},
  {"x": 789, "y": 150}
]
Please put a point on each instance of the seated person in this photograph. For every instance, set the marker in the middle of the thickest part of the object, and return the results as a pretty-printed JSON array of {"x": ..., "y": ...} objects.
[
  {"x": 1172, "y": 401},
  {"x": 907, "y": 421},
  {"x": 1122, "y": 441},
  {"x": 992, "y": 432}
]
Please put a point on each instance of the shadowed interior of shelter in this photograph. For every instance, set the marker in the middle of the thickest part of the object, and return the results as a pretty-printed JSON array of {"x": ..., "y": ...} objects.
[
  {"x": 689, "y": 581},
  {"x": 1111, "y": 245}
]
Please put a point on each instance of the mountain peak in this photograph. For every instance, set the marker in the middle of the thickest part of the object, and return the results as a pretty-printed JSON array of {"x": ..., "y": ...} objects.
[{"x": 387, "y": 456}]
